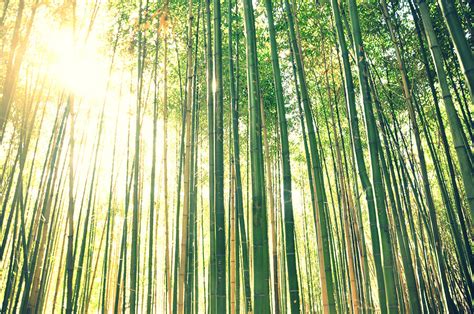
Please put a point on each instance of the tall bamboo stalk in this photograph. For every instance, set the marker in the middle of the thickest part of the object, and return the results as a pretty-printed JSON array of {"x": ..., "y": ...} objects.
[{"x": 261, "y": 273}]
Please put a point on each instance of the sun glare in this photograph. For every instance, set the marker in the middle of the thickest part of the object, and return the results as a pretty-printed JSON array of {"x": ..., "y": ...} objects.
[{"x": 75, "y": 65}]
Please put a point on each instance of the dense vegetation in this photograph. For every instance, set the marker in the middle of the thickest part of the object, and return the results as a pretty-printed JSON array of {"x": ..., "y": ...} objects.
[{"x": 236, "y": 156}]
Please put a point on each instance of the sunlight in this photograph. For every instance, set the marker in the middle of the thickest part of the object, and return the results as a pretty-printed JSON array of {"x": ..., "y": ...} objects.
[
  {"x": 214, "y": 84},
  {"x": 76, "y": 66}
]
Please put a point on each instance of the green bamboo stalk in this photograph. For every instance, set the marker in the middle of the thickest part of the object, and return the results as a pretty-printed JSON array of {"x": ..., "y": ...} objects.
[
  {"x": 241, "y": 233},
  {"x": 187, "y": 162},
  {"x": 134, "y": 265},
  {"x": 151, "y": 219},
  {"x": 261, "y": 270},
  {"x": 463, "y": 51},
  {"x": 377, "y": 181},
  {"x": 168, "y": 271},
  {"x": 316, "y": 172},
  {"x": 286, "y": 168},
  {"x": 219, "y": 164},
  {"x": 211, "y": 136}
]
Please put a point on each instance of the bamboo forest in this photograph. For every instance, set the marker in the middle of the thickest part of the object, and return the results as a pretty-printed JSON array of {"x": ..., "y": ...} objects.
[{"x": 236, "y": 156}]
